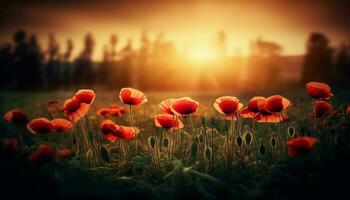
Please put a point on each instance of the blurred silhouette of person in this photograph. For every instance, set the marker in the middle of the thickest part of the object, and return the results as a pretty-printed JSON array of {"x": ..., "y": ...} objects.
[
  {"x": 317, "y": 64},
  {"x": 84, "y": 73}
]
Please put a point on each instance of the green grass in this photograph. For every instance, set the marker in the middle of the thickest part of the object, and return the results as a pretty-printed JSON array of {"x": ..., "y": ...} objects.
[{"x": 190, "y": 172}]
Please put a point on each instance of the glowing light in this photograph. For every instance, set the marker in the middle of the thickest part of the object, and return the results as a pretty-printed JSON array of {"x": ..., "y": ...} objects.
[{"x": 201, "y": 54}]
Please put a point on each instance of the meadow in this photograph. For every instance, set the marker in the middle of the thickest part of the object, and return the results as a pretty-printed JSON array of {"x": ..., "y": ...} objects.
[{"x": 131, "y": 154}]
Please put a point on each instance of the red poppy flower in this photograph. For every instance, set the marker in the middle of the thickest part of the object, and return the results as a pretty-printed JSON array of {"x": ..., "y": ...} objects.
[
  {"x": 10, "y": 145},
  {"x": 266, "y": 117},
  {"x": 319, "y": 90},
  {"x": 40, "y": 125},
  {"x": 276, "y": 104},
  {"x": 113, "y": 105},
  {"x": 252, "y": 109},
  {"x": 322, "y": 108},
  {"x": 184, "y": 106},
  {"x": 16, "y": 116},
  {"x": 64, "y": 153},
  {"x": 85, "y": 96},
  {"x": 44, "y": 154},
  {"x": 285, "y": 118},
  {"x": 104, "y": 112},
  {"x": 132, "y": 96},
  {"x": 128, "y": 133},
  {"x": 109, "y": 130},
  {"x": 348, "y": 110},
  {"x": 121, "y": 108},
  {"x": 74, "y": 109},
  {"x": 165, "y": 105},
  {"x": 167, "y": 121},
  {"x": 61, "y": 125},
  {"x": 117, "y": 112},
  {"x": 227, "y": 105},
  {"x": 111, "y": 138},
  {"x": 300, "y": 146}
]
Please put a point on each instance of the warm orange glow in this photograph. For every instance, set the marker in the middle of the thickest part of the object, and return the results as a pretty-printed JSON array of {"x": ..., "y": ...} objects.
[{"x": 201, "y": 54}]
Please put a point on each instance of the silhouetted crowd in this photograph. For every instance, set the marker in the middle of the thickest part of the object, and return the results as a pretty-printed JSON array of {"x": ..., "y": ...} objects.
[{"x": 157, "y": 64}]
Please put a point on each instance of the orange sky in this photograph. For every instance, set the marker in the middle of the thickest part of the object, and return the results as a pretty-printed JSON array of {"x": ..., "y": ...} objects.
[{"x": 184, "y": 22}]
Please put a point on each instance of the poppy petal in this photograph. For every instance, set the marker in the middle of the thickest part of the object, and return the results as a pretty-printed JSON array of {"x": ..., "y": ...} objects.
[{"x": 40, "y": 125}]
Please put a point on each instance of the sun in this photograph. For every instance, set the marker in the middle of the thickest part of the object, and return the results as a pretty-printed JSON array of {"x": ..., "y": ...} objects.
[{"x": 201, "y": 54}]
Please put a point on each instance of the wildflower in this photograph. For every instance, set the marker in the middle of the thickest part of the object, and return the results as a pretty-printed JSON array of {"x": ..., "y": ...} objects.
[
  {"x": 105, "y": 112},
  {"x": 184, "y": 106},
  {"x": 44, "y": 154},
  {"x": 322, "y": 108},
  {"x": 74, "y": 109},
  {"x": 276, "y": 104},
  {"x": 128, "y": 133},
  {"x": 300, "y": 146},
  {"x": 252, "y": 109},
  {"x": 132, "y": 96},
  {"x": 167, "y": 121},
  {"x": 10, "y": 145},
  {"x": 109, "y": 130},
  {"x": 165, "y": 105},
  {"x": 16, "y": 116},
  {"x": 40, "y": 126},
  {"x": 85, "y": 96},
  {"x": 61, "y": 125},
  {"x": 227, "y": 105},
  {"x": 319, "y": 90},
  {"x": 64, "y": 153}
]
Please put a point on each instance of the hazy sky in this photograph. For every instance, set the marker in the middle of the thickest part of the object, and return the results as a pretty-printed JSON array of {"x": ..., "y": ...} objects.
[{"x": 285, "y": 22}]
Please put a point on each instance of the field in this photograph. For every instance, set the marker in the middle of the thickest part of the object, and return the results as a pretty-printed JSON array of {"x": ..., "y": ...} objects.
[{"x": 210, "y": 158}]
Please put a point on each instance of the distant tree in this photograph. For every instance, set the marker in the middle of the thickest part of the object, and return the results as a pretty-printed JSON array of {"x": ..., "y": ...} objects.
[
  {"x": 6, "y": 65},
  {"x": 66, "y": 65},
  {"x": 127, "y": 64},
  {"x": 143, "y": 66},
  {"x": 113, "y": 42},
  {"x": 69, "y": 49},
  {"x": 220, "y": 44},
  {"x": 20, "y": 52},
  {"x": 318, "y": 59},
  {"x": 34, "y": 62},
  {"x": 343, "y": 65},
  {"x": 52, "y": 68},
  {"x": 84, "y": 73},
  {"x": 264, "y": 63}
]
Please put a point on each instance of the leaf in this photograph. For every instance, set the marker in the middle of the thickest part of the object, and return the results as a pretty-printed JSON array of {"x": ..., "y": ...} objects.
[
  {"x": 205, "y": 176},
  {"x": 177, "y": 166}
]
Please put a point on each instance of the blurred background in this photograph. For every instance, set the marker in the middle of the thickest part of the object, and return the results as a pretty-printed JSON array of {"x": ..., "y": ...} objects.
[{"x": 173, "y": 45}]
